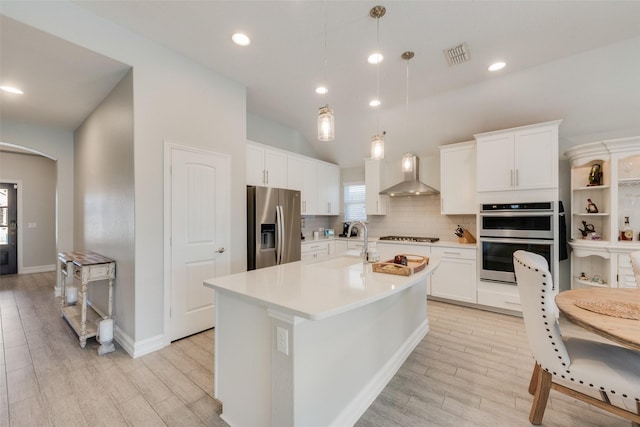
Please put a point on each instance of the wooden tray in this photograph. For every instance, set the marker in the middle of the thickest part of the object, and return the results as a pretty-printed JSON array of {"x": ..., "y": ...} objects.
[{"x": 415, "y": 263}]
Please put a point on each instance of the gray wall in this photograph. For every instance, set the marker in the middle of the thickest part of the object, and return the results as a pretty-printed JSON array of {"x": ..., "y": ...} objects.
[
  {"x": 38, "y": 192},
  {"x": 174, "y": 99},
  {"x": 104, "y": 195},
  {"x": 56, "y": 144}
]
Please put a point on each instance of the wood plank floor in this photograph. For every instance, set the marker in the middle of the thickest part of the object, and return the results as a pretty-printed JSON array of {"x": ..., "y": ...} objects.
[{"x": 472, "y": 369}]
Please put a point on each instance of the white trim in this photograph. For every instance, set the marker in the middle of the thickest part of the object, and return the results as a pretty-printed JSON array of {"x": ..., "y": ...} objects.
[
  {"x": 39, "y": 269},
  {"x": 140, "y": 348},
  {"x": 359, "y": 404}
]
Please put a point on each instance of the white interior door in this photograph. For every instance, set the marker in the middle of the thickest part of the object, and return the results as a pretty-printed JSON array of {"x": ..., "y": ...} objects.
[{"x": 199, "y": 237}]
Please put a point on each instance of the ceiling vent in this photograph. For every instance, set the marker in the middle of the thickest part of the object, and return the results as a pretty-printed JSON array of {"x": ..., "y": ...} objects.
[{"x": 457, "y": 54}]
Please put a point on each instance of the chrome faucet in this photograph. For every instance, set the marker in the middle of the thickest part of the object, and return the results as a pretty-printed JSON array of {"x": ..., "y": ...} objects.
[{"x": 365, "y": 236}]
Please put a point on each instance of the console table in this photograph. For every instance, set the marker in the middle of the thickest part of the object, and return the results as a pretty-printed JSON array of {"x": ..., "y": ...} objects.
[{"x": 84, "y": 267}]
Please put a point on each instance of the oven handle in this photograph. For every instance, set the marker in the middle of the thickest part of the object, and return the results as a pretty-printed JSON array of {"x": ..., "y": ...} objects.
[
  {"x": 512, "y": 214},
  {"x": 503, "y": 240}
]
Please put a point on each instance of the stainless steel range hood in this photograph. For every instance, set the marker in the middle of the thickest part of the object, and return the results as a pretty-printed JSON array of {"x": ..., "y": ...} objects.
[{"x": 411, "y": 185}]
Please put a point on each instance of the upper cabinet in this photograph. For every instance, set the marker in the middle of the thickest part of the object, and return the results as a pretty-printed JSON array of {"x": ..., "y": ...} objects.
[
  {"x": 317, "y": 181},
  {"x": 328, "y": 189},
  {"x": 374, "y": 173},
  {"x": 458, "y": 179},
  {"x": 266, "y": 167},
  {"x": 524, "y": 158},
  {"x": 302, "y": 175}
]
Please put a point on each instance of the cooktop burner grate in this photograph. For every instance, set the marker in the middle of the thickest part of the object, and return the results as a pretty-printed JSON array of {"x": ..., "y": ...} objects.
[{"x": 410, "y": 239}]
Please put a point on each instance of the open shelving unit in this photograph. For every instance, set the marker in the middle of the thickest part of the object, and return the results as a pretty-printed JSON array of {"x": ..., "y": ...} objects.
[{"x": 604, "y": 261}]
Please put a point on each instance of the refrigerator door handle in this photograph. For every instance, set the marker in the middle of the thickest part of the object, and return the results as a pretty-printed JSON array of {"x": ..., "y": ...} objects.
[{"x": 279, "y": 234}]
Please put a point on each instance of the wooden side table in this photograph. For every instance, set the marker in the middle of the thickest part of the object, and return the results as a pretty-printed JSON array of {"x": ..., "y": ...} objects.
[{"x": 86, "y": 267}]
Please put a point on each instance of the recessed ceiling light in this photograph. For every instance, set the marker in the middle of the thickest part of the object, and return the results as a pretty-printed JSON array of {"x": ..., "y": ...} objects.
[
  {"x": 12, "y": 89},
  {"x": 321, "y": 90},
  {"x": 241, "y": 39},
  {"x": 375, "y": 58},
  {"x": 497, "y": 66},
  {"x": 374, "y": 103}
]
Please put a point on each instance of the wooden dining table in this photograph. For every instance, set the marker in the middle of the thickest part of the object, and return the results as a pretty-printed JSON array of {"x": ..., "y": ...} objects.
[{"x": 610, "y": 312}]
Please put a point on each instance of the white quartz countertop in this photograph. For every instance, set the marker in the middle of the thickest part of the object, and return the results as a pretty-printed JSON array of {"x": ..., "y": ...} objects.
[{"x": 317, "y": 290}]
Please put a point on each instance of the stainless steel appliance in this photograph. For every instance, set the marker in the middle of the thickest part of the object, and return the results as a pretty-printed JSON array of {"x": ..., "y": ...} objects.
[
  {"x": 410, "y": 239},
  {"x": 273, "y": 226},
  {"x": 506, "y": 228}
]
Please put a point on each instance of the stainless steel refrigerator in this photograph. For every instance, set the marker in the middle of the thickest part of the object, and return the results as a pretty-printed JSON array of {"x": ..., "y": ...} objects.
[{"x": 273, "y": 226}]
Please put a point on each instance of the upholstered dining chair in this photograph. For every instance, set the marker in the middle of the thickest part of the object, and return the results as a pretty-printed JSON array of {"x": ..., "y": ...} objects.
[{"x": 570, "y": 365}]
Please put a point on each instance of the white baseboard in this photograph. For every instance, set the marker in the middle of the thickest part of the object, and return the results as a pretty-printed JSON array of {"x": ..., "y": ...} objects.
[
  {"x": 354, "y": 410},
  {"x": 138, "y": 348},
  {"x": 38, "y": 269}
]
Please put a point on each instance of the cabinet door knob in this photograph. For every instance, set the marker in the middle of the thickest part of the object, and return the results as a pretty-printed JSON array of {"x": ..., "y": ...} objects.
[{"x": 220, "y": 250}]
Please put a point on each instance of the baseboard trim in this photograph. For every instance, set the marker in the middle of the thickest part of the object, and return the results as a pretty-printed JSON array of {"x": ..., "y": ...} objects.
[
  {"x": 358, "y": 406},
  {"x": 38, "y": 269},
  {"x": 138, "y": 348}
]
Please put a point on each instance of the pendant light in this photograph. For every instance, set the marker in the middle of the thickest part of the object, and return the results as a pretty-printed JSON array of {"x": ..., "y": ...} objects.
[
  {"x": 377, "y": 141},
  {"x": 407, "y": 159},
  {"x": 326, "y": 125}
]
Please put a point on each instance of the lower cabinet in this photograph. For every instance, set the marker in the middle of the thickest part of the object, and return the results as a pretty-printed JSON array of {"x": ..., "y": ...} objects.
[
  {"x": 626, "y": 277},
  {"x": 339, "y": 247},
  {"x": 315, "y": 250},
  {"x": 499, "y": 295},
  {"x": 455, "y": 277}
]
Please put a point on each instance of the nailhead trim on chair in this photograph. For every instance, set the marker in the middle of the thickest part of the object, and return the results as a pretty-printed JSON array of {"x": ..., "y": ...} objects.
[{"x": 544, "y": 316}]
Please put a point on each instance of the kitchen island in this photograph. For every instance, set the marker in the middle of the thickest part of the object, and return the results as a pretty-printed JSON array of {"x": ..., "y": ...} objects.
[{"x": 312, "y": 343}]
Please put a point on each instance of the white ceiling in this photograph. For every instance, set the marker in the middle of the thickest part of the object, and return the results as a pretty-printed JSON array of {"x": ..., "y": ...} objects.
[{"x": 572, "y": 60}]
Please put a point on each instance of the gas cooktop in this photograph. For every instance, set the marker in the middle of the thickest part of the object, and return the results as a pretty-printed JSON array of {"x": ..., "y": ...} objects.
[{"x": 410, "y": 239}]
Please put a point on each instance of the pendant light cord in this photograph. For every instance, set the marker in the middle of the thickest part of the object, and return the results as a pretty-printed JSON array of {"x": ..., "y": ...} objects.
[
  {"x": 407, "y": 104},
  {"x": 378, "y": 77},
  {"x": 325, "y": 44}
]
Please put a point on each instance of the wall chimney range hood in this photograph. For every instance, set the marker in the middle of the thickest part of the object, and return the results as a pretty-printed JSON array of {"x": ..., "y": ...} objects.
[{"x": 411, "y": 185}]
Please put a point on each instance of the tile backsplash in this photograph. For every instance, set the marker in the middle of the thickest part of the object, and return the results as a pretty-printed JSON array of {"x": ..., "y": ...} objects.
[{"x": 406, "y": 216}]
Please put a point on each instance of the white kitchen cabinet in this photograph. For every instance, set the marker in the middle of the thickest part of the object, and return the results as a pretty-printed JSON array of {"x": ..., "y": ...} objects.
[
  {"x": 328, "y": 189},
  {"x": 458, "y": 179},
  {"x": 339, "y": 247},
  {"x": 374, "y": 173},
  {"x": 499, "y": 295},
  {"x": 524, "y": 158},
  {"x": 266, "y": 167},
  {"x": 455, "y": 277},
  {"x": 302, "y": 175},
  {"x": 314, "y": 250}
]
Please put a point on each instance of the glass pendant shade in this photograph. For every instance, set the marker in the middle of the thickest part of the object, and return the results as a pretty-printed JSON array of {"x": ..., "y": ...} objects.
[
  {"x": 326, "y": 128},
  {"x": 407, "y": 163},
  {"x": 377, "y": 147}
]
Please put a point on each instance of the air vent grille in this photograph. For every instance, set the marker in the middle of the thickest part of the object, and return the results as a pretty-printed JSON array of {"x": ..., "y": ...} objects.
[{"x": 457, "y": 54}]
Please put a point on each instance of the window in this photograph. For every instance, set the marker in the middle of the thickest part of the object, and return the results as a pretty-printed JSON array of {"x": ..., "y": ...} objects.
[{"x": 354, "y": 202}]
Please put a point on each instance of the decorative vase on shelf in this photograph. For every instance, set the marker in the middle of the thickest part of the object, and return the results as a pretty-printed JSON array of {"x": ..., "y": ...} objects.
[{"x": 591, "y": 207}]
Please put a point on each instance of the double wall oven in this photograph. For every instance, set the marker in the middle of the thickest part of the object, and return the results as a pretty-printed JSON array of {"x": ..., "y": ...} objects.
[{"x": 508, "y": 227}]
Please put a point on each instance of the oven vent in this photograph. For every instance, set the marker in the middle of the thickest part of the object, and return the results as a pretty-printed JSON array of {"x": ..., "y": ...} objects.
[{"x": 457, "y": 54}]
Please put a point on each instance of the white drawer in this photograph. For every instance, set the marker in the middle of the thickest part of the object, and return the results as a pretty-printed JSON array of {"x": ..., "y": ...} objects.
[
  {"x": 499, "y": 296},
  {"x": 461, "y": 253},
  {"x": 314, "y": 247}
]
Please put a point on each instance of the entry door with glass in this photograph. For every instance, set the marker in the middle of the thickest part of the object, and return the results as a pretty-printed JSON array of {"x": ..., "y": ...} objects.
[{"x": 8, "y": 228}]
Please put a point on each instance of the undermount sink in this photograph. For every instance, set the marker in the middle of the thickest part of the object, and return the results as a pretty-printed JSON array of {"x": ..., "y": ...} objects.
[{"x": 339, "y": 262}]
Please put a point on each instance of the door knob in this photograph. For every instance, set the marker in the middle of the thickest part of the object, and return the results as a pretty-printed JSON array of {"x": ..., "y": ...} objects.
[{"x": 220, "y": 250}]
